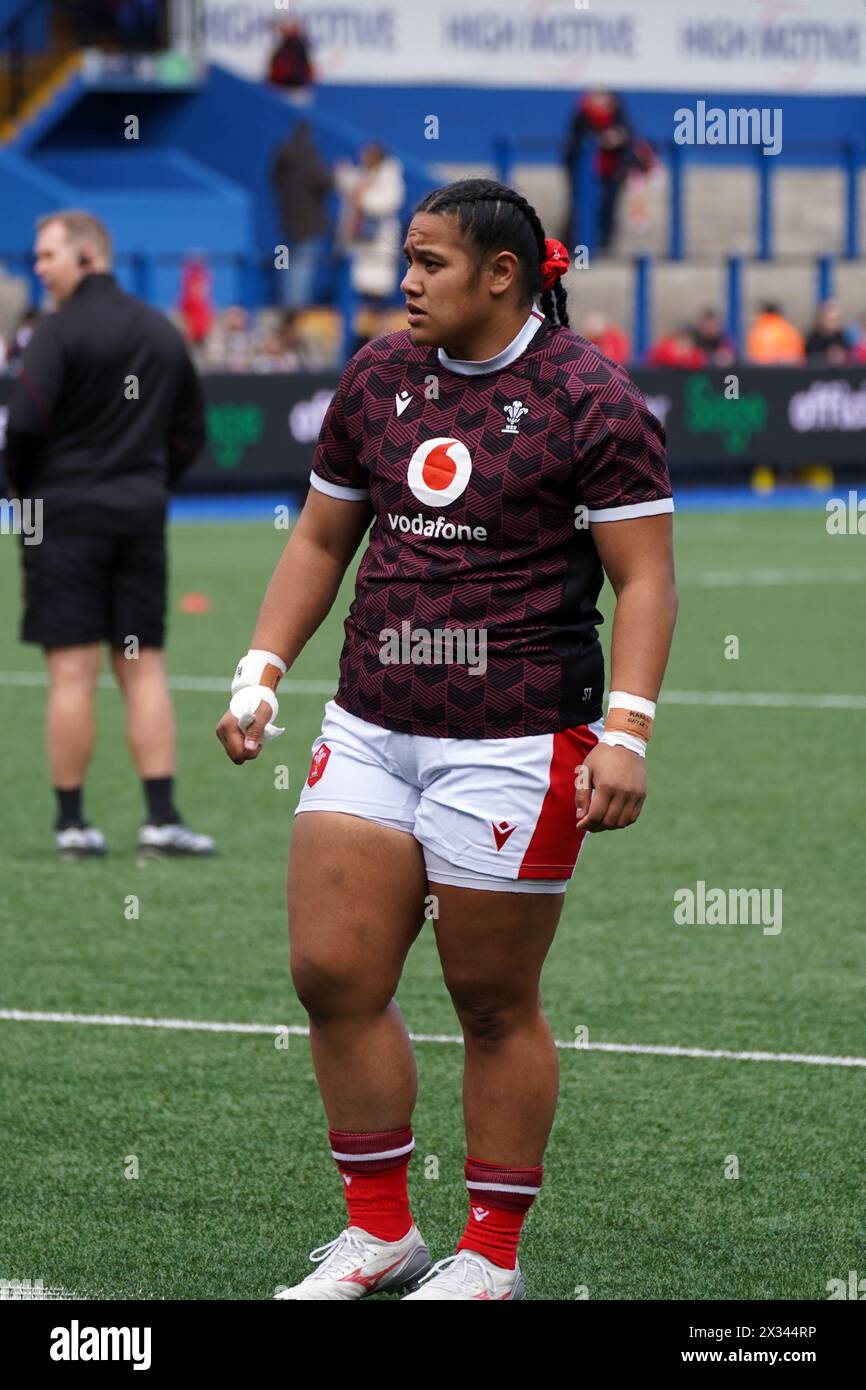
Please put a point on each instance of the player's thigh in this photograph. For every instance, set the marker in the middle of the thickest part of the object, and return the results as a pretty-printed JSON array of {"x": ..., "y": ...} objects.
[
  {"x": 492, "y": 945},
  {"x": 356, "y": 894}
]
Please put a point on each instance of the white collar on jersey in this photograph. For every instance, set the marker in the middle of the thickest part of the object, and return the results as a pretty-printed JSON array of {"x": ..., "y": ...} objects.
[{"x": 503, "y": 358}]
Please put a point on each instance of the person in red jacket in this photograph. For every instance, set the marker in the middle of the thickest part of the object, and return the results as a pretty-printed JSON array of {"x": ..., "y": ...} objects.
[
  {"x": 676, "y": 349},
  {"x": 195, "y": 301},
  {"x": 290, "y": 64},
  {"x": 608, "y": 337},
  {"x": 602, "y": 115}
]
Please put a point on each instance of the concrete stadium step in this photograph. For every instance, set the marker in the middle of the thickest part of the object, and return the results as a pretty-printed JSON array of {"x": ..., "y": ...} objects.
[{"x": 720, "y": 208}]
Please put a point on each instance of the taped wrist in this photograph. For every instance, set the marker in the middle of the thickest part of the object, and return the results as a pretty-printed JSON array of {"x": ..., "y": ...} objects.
[
  {"x": 256, "y": 678},
  {"x": 629, "y": 721},
  {"x": 258, "y": 667}
]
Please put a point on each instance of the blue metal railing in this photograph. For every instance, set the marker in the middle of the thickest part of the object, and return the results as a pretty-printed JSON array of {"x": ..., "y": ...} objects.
[
  {"x": 253, "y": 284},
  {"x": 847, "y": 155},
  {"x": 252, "y": 278},
  {"x": 824, "y": 272}
]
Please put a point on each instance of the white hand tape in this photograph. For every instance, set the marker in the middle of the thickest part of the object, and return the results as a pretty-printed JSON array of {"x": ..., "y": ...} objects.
[{"x": 245, "y": 702}]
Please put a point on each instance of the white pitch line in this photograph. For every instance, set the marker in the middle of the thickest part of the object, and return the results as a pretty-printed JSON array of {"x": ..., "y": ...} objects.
[
  {"x": 765, "y": 578},
  {"x": 760, "y": 698},
  {"x": 301, "y": 1030},
  {"x": 207, "y": 684},
  {"x": 737, "y": 698}
]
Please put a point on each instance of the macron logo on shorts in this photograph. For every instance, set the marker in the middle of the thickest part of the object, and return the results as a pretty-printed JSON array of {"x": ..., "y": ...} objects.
[
  {"x": 318, "y": 764},
  {"x": 501, "y": 832}
]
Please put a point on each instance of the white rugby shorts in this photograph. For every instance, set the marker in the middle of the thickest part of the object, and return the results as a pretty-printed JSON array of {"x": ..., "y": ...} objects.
[{"x": 494, "y": 813}]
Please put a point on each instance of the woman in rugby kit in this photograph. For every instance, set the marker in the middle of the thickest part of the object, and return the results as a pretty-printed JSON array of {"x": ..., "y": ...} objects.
[{"x": 506, "y": 466}]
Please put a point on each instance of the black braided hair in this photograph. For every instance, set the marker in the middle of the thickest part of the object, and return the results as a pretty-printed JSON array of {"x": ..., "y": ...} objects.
[{"x": 494, "y": 217}]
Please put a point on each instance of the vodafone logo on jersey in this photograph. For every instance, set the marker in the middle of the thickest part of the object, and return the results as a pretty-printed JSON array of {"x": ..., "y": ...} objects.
[{"x": 439, "y": 471}]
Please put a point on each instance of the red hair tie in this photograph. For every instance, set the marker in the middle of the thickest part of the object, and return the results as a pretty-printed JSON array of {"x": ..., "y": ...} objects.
[{"x": 555, "y": 263}]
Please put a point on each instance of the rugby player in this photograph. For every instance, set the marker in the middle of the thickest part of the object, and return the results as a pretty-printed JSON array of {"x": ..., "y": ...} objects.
[{"x": 506, "y": 466}]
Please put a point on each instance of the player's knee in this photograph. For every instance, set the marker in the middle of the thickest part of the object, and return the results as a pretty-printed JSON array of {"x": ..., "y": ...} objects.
[
  {"x": 487, "y": 1014},
  {"x": 73, "y": 668},
  {"x": 331, "y": 988}
]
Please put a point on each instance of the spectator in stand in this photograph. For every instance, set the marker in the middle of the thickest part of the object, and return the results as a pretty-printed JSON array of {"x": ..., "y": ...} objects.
[
  {"x": 858, "y": 333},
  {"x": 373, "y": 193},
  {"x": 196, "y": 302},
  {"x": 772, "y": 340},
  {"x": 608, "y": 337},
  {"x": 290, "y": 66},
  {"x": 677, "y": 349},
  {"x": 283, "y": 349},
  {"x": 599, "y": 114},
  {"x": 710, "y": 337},
  {"x": 230, "y": 344},
  {"x": 827, "y": 339},
  {"x": 303, "y": 181}
]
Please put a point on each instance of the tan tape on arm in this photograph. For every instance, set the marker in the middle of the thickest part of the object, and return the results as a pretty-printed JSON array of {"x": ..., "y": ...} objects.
[
  {"x": 271, "y": 676},
  {"x": 628, "y": 721}
]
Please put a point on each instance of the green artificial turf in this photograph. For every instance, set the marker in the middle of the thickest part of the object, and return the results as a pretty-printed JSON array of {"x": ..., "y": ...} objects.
[{"x": 235, "y": 1181}]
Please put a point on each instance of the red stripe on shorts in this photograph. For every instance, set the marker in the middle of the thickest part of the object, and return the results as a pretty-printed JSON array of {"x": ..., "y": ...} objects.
[{"x": 552, "y": 852}]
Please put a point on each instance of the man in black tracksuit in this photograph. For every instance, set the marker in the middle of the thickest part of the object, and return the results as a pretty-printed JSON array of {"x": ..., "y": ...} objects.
[{"x": 105, "y": 416}]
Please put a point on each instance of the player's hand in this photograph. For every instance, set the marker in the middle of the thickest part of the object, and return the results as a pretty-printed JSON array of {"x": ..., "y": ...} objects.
[
  {"x": 616, "y": 789},
  {"x": 242, "y": 745}
]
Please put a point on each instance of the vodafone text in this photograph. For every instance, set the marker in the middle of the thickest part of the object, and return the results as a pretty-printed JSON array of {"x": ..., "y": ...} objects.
[{"x": 440, "y": 528}]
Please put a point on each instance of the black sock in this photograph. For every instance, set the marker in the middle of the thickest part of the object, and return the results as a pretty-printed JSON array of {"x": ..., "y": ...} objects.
[
  {"x": 68, "y": 807},
  {"x": 161, "y": 809}
]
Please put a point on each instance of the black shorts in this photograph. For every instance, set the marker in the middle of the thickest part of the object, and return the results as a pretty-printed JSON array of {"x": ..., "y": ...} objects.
[{"x": 95, "y": 588}]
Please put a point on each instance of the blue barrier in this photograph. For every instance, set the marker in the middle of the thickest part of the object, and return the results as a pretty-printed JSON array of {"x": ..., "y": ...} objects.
[
  {"x": 642, "y": 324},
  {"x": 734, "y": 299},
  {"x": 251, "y": 278},
  {"x": 845, "y": 154}
]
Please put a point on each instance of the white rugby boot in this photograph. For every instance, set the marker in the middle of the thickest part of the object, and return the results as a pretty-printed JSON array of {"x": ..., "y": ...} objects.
[
  {"x": 469, "y": 1275},
  {"x": 79, "y": 842},
  {"x": 166, "y": 841},
  {"x": 357, "y": 1264}
]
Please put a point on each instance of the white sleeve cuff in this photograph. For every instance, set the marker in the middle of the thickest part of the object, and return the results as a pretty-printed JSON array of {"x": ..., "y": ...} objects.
[
  {"x": 348, "y": 494},
  {"x": 630, "y": 509}
]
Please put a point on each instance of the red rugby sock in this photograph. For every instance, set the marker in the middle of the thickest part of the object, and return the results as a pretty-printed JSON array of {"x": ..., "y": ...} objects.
[
  {"x": 374, "y": 1166},
  {"x": 499, "y": 1198}
]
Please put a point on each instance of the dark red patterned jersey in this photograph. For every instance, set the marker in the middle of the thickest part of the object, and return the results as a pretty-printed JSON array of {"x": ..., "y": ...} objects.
[{"x": 474, "y": 613}]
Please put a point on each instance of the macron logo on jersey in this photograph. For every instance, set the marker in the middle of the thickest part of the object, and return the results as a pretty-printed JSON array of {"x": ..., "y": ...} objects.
[
  {"x": 501, "y": 832},
  {"x": 401, "y": 400}
]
